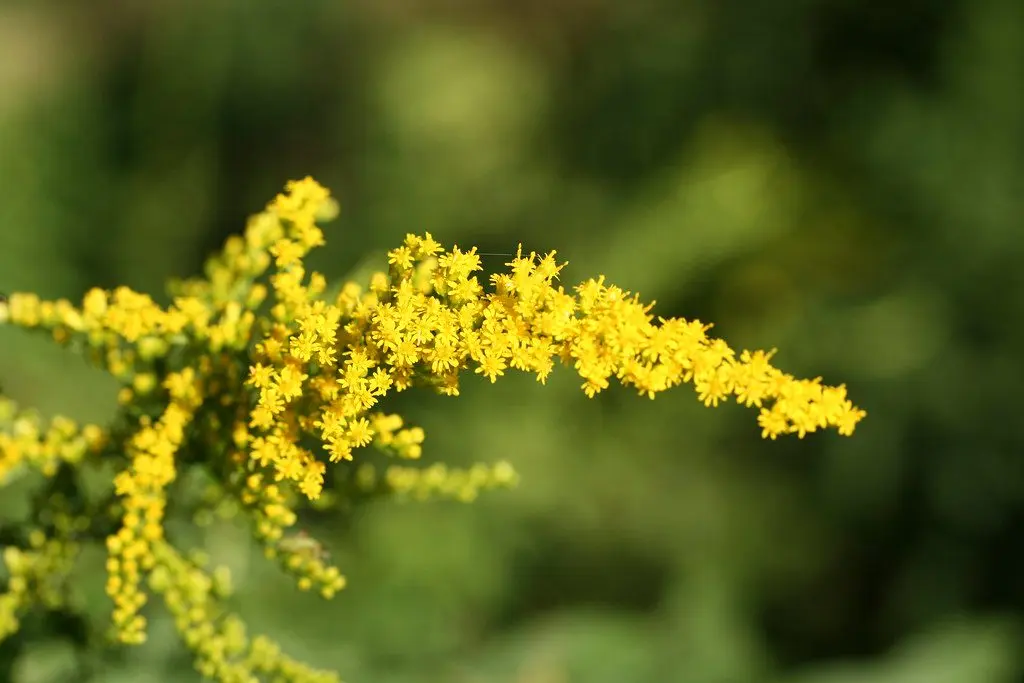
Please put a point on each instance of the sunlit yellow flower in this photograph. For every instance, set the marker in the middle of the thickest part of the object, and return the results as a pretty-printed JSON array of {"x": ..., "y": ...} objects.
[{"x": 267, "y": 403}]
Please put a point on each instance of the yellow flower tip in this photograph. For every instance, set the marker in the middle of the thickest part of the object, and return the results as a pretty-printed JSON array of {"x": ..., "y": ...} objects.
[
  {"x": 328, "y": 211},
  {"x": 144, "y": 383},
  {"x": 504, "y": 474},
  {"x": 287, "y": 252}
]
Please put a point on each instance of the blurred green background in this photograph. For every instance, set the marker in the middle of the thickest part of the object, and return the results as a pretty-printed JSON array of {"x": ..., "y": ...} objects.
[{"x": 837, "y": 179}]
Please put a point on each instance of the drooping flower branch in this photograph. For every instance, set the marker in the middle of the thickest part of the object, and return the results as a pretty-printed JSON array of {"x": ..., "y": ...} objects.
[{"x": 258, "y": 376}]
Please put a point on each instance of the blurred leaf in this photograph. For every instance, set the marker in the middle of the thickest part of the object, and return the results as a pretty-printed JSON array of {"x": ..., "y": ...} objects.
[
  {"x": 960, "y": 652},
  {"x": 573, "y": 646},
  {"x": 47, "y": 662}
]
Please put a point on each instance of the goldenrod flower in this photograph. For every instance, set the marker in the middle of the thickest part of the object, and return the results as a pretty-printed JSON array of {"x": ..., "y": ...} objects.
[{"x": 268, "y": 402}]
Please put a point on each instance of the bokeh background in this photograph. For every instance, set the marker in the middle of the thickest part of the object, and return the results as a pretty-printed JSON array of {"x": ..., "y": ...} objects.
[{"x": 840, "y": 180}]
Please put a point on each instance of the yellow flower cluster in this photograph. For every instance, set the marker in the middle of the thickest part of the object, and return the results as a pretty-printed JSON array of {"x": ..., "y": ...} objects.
[
  {"x": 442, "y": 482},
  {"x": 259, "y": 376},
  {"x": 38, "y": 575},
  {"x": 141, "y": 487},
  {"x": 25, "y": 443},
  {"x": 224, "y": 651}
]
